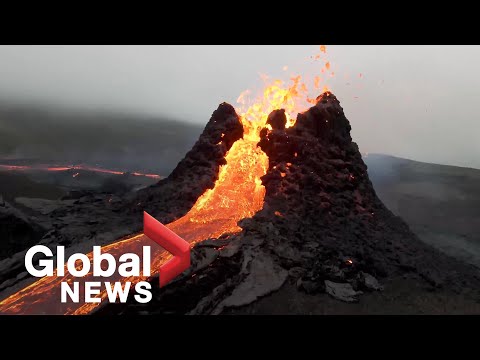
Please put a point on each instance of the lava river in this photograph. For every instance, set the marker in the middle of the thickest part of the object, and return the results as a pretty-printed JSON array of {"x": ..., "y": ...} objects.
[
  {"x": 238, "y": 193},
  {"x": 71, "y": 168}
]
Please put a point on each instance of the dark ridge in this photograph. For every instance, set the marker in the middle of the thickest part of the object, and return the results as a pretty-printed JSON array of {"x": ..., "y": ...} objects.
[
  {"x": 173, "y": 196},
  {"x": 17, "y": 231}
]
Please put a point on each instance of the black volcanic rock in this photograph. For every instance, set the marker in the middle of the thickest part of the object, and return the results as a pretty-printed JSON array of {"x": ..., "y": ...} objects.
[
  {"x": 17, "y": 230},
  {"x": 322, "y": 230},
  {"x": 277, "y": 119},
  {"x": 174, "y": 196},
  {"x": 318, "y": 181}
]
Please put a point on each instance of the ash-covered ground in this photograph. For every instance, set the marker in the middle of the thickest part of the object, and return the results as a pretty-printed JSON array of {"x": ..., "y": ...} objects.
[{"x": 324, "y": 243}]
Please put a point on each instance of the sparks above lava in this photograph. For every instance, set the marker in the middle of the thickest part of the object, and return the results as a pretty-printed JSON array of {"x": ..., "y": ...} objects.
[{"x": 278, "y": 94}]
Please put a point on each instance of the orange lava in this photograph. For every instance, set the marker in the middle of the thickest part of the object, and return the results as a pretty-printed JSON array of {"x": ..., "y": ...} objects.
[
  {"x": 238, "y": 193},
  {"x": 74, "y": 167}
]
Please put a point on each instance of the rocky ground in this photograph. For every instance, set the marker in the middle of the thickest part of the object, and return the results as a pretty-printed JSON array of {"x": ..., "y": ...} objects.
[
  {"x": 18, "y": 231},
  {"x": 441, "y": 204}
]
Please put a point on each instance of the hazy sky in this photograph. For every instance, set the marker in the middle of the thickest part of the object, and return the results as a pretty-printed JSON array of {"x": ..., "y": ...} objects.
[{"x": 420, "y": 102}]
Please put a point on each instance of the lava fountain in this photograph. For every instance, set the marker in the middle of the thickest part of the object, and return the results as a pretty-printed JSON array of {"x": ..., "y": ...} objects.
[{"x": 238, "y": 193}]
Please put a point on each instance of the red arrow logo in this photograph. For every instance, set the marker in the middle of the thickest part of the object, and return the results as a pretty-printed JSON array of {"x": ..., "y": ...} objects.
[{"x": 174, "y": 244}]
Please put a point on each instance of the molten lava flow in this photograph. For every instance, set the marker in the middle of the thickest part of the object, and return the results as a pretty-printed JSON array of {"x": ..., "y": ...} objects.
[
  {"x": 14, "y": 167},
  {"x": 74, "y": 167},
  {"x": 238, "y": 193}
]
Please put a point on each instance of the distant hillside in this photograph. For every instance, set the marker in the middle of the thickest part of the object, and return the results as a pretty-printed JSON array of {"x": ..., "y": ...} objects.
[
  {"x": 109, "y": 139},
  {"x": 440, "y": 203},
  {"x": 13, "y": 185}
]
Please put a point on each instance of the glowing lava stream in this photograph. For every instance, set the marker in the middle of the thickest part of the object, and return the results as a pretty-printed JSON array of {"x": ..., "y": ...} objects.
[
  {"x": 75, "y": 167},
  {"x": 238, "y": 194}
]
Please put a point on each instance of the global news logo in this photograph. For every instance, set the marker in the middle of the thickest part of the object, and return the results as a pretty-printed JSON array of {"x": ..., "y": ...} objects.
[{"x": 128, "y": 267}]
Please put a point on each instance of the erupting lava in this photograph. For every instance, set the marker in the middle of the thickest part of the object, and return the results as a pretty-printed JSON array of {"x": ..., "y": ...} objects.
[{"x": 238, "y": 193}]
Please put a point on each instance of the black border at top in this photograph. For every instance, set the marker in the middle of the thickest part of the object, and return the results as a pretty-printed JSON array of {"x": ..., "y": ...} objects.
[{"x": 197, "y": 23}]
